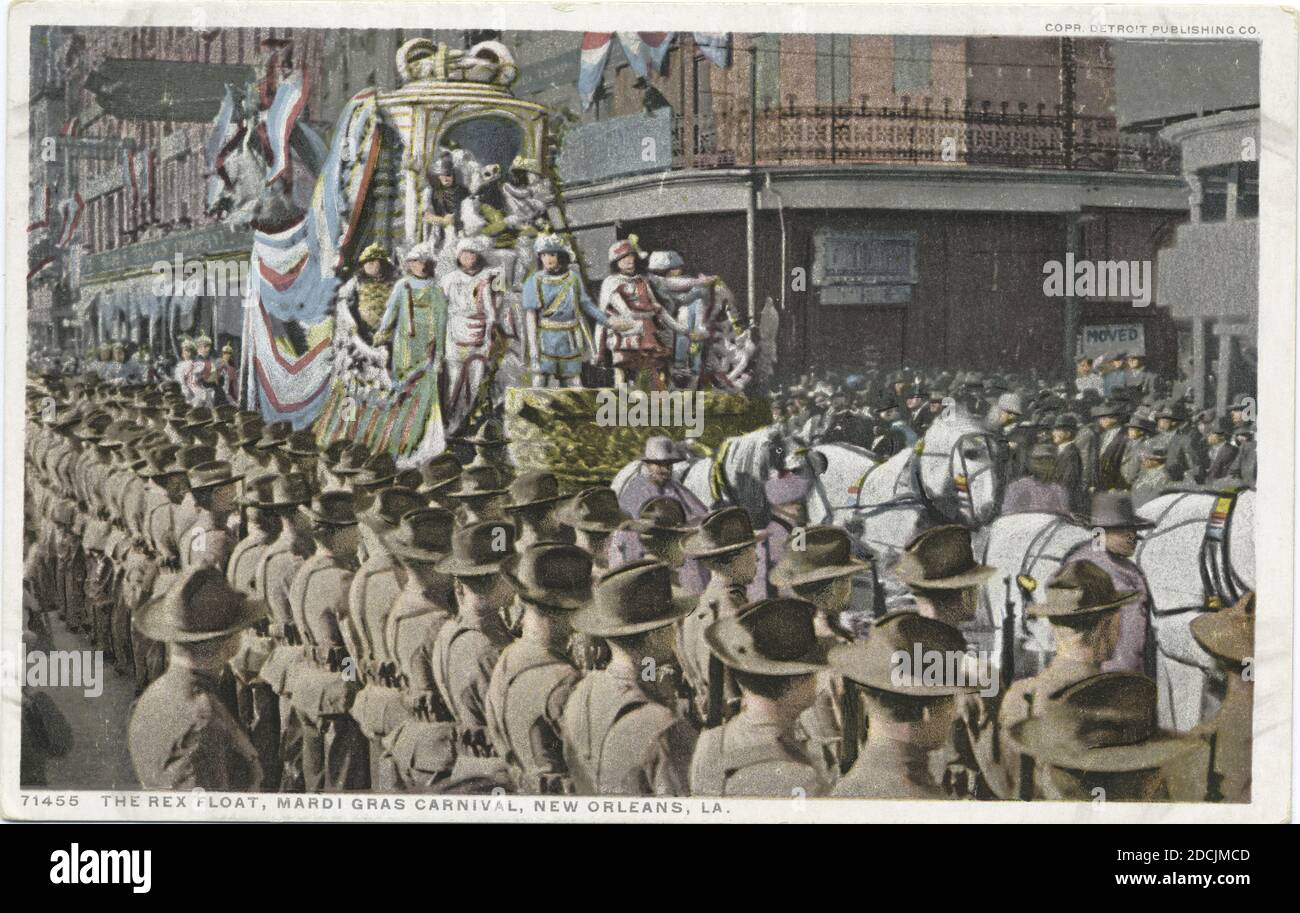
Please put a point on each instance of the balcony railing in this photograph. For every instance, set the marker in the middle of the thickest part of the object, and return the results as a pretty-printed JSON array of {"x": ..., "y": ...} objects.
[{"x": 941, "y": 134}]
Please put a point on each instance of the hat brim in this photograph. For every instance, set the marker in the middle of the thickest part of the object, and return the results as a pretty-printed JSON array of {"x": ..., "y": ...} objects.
[
  {"x": 540, "y": 595},
  {"x": 1056, "y": 610},
  {"x": 1220, "y": 635},
  {"x": 231, "y": 480},
  {"x": 1103, "y": 523},
  {"x": 1034, "y": 737},
  {"x": 972, "y": 577},
  {"x": 690, "y": 552},
  {"x": 150, "y": 622},
  {"x": 457, "y": 567},
  {"x": 433, "y": 488},
  {"x": 404, "y": 552},
  {"x": 733, "y": 645},
  {"x": 596, "y": 621},
  {"x": 646, "y": 526},
  {"x": 524, "y": 505},
  {"x": 481, "y": 493},
  {"x": 321, "y": 518},
  {"x": 783, "y": 577},
  {"x": 851, "y": 661},
  {"x": 589, "y": 525}
]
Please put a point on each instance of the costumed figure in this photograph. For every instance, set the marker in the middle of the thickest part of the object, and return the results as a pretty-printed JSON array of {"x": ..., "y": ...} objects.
[
  {"x": 475, "y": 295},
  {"x": 628, "y": 292},
  {"x": 440, "y": 204},
  {"x": 362, "y": 304},
  {"x": 558, "y": 338}
]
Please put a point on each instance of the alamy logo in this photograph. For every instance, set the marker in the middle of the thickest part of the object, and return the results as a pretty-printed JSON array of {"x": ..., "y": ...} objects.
[
  {"x": 213, "y": 278},
  {"x": 1098, "y": 279},
  {"x": 78, "y": 866},
  {"x": 55, "y": 669},
  {"x": 657, "y": 409},
  {"x": 943, "y": 669}
]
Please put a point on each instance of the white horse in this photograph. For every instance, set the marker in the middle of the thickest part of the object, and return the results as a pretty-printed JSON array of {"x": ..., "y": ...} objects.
[
  {"x": 1190, "y": 556},
  {"x": 1170, "y": 555},
  {"x": 951, "y": 476}
]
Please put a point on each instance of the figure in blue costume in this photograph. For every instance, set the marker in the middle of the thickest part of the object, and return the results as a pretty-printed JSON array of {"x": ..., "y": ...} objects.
[
  {"x": 558, "y": 337},
  {"x": 415, "y": 317}
]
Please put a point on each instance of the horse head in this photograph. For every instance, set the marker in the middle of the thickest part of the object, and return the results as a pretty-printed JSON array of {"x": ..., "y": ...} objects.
[{"x": 959, "y": 468}]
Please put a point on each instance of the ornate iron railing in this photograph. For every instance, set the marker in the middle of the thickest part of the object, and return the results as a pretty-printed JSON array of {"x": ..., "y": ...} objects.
[{"x": 982, "y": 133}]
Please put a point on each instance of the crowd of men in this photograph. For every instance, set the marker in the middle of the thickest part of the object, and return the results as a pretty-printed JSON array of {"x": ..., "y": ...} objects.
[
  {"x": 302, "y": 619},
  {"x": 1119, "y": 427}
]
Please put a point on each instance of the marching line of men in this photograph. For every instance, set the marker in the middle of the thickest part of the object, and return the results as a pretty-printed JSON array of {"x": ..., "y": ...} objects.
[{"x": 306, "y": 620}]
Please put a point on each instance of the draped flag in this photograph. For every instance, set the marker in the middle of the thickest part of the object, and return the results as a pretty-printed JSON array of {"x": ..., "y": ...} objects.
[
  {"x": 44, "y": 220},
  {"x": 290, "y": 99},
  {"x": 284, "y": 387},
  {"x": 137, "y": 173},
  {"x": 645, "y": 52},
  {"x": 70, "y": 212},
  {"x": 217, "y": 138}
]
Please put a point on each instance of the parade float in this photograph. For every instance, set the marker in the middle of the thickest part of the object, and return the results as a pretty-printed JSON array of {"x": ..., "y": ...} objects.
[{"x": 311, "y": 352}]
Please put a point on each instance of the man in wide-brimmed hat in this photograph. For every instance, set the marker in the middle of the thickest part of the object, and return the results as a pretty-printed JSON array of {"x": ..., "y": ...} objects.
[
  {"x": 534, "y": 675},
  {"x": 419, "y": 724},
  {"x": 1185, "y": 448},
  {"x": 595, "y": 518},
  {"x": 1228, "y": 635},
  {"x": 659, "y": 532},
  {"x": 725, "y": 544},
  {"x": 1069, "y": 469},
  {"x": 273, "y": 578},
  {"x": 258, "y": 707},
  {"x": 465, "y": 651},
  {"x": 1153, "y": 479},
  {"x": 772, "y": 650},
  {"x": 534, "y": 497},
  {"x": 490, "y": 448},
  {"x": 1099, "y": 733},
  {"x": 1106, "y": 460},
  {"x": 349, "y": 461},
  {"x": 374, "y": 592},
  {"x": 622, "y": 732},
  {"x": 477, "y": 494},
  {"x": 379, "y": 472},
  {"x": 1112, "y": 513},
  {"x": 1085, "y": 613},
  {"x": 209, "y": 540},
  {"x": 655, "y": 480},
  {"x": 939, "y": 568},
  {"x": 821, "y": 571},
  {"x": 436, "y": 478},
  {"x": 335, "y": 753},
  {"x": 181, "y": 735},
  {"x": 911, "y": 711}
]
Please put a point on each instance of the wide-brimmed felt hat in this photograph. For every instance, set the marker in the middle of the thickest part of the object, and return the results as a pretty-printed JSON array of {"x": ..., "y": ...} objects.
[
  {"x": 1228, "y": 633},
  {"x": 1174, "y": 409},
  {"x": 212, "y": 474},
  {"x": 1111, "y": 407},
  {"x": 423, "y": 534},
  {"x": 334, "y": 507},
  {"x": 553, "y": 574},
  {"x": 334, "y": 452},
  {"x": 883, "y": 660},
  {"x": 533, "y": 489},
  {"x": 1079, "y": 589},
  {"x": 198, "y": 417},
  {"x": 290, "y": 489},
  {"x": 1103, "y": 724},
  {"x": 941, "y": 559},
  {"x": 477, "y": 549},
  {"x": 769, "y": 637},
  {"x": 161, "y": 461},
  {"x": 477, "y": 482},
  {"x": 439, "y": 473},
  {"x": 379, "y": 470},
  {"x": 1155, "y": 450},
  {"x": 1114, "y": 510},
  {"x": 1066, "y": 421},
  {"x": 351, "y": 461},
  {"x": 827, "y": 554},
  {"x": 1142, "y": 423},
  {"x": 593, "y": 510},
  {"x": 301, "y": 443},
  {"x": 258, "y": 490},
  {"x": 661, "y": 449},
  {"x": 201, "y": 605},
  {"x": 722, "y": 532},
  {"x": 94, "y": 426},
  {"x": 274, "y": 435},
  {"x": 661, "y": 515},
  {"x": 489, "y": 434},
  {"x": 633, "y": 599},
  {"x": 389, "y": 506}
]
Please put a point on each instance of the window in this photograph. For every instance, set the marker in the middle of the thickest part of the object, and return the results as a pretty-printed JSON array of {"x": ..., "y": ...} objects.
[
  {"x": 833, "y": 82},
  {"x": 767, "y": 71},
  {"x": 1214, "y": 193},
  {"x": 911, "y": 65},
  {"x": 1248, "y": 190}
]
